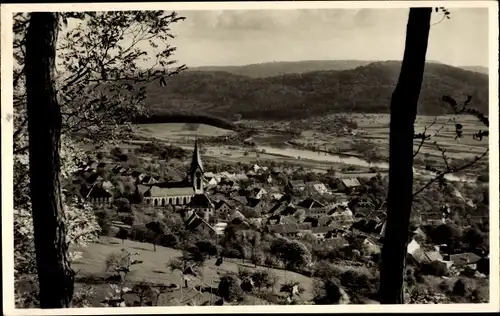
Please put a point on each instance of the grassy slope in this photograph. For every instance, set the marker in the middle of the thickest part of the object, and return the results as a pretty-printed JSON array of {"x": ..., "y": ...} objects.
[{"x": 153, "y": 269}]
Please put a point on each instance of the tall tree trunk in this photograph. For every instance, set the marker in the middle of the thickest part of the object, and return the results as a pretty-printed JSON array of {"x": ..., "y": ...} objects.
[
  {"x": 55, "y": 275},
  {"x": 403, "y": 113}
]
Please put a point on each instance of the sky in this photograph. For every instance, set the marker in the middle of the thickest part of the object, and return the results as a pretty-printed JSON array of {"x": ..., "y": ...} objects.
[{"x": 237, "y": 37}]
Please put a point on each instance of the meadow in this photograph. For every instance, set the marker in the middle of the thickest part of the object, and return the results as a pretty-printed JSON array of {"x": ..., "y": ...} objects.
[{"x": 91, "y": 271}]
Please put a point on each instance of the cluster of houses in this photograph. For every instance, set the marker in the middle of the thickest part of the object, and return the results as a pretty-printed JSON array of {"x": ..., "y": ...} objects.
[
  {"x": 262, "y": 198},
  {"x": 453, "y": 264}
]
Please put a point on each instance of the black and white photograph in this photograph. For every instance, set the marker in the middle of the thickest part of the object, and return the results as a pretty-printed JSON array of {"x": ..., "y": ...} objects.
[{"x": 202, "y": 156}]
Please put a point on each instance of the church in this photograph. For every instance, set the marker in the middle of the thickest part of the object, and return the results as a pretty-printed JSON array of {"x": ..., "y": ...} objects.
[{"x": 181, "y": 193}]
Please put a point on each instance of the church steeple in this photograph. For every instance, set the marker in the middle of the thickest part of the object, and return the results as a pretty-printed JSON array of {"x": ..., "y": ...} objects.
[
  {"x": 196, "y": 171},
  {"x": 196, "y": 160}
]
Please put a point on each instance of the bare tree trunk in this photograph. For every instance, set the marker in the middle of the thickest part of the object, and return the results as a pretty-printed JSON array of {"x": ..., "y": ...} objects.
[
  {"x": 44, "y": 126},
  {"x": 403, "y": 113}
]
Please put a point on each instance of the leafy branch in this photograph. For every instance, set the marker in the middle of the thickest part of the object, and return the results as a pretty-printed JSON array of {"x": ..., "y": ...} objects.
[
  {"x": 446, "y": 14},
  {"x": 449, "y": 168}
]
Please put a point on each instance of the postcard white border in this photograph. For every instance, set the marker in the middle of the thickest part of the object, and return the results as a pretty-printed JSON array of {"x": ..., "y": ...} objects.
[{"x": 7, "y": 161}]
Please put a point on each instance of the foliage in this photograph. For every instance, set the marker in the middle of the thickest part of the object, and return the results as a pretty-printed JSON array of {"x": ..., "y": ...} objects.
[
  {"x": 115, "y": 297},
  {"x": 84, "y": 296},
  {"x": 368, "y": 87},
  {"x": 82, "y": 229},
  {"x": 230, "y": 287},
  {"x": 123, "y": 205},
  {"x": 121, "y": 262},
  {"x": 327, "y": 292},
  {"x": 292, "y": 252}
]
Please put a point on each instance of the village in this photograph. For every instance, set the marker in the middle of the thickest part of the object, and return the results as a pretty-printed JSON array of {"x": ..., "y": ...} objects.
[{"x": 276, "y": 201}]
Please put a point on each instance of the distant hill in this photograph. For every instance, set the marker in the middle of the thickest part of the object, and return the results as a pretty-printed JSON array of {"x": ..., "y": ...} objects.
[
  {"x": 285, "y": 67},
  {"x": 479, "y": 69},
  {"x": 366, "y": 89}
]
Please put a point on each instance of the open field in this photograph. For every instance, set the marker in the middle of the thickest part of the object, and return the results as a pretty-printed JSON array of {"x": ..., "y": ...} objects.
[
  {"x": 178, "y": 131},
  {"x": 352, "y": 149},
  {"x": 91, "y": 270}
]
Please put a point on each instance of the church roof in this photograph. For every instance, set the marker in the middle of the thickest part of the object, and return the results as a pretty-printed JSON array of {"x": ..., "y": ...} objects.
[
  {"x": 196, "y": 161},
  {"x": 166, "y": 192}
]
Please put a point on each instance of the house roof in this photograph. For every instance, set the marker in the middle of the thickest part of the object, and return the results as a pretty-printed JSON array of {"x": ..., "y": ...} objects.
[
  {"x": 433, "y": 256},
  {"x": 288, "y": 220},
  {"x": 143, "y": 188},
  {"x": 325, "y": 220},
  {"x": 278, "y": 208},
  {"x": 321, "y": 229},
  {"x": 221, "y": 203},
  {"x": 283, "y": 228},
  {"x": 166, "y": 192},
  {"x": 310, "y": 203},
  {"x": 200, "y": 201},
  {"x": 352, "y": 182},
  {"x": 255, "y": 202},
  {"x": 464, "y": 258},
  {"x": 209, "y": 174},
  {"x": 194, "y": 221},
  {"x": 97, "y": 191},
  {"x": 297, "y": 183},
  {"x": 240, "y": 199}
]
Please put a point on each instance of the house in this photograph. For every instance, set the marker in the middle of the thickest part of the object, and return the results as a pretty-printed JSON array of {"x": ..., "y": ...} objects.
[
  {"x": 220, "y": 228},
  {"x": 223, "y": 207},
  {"x": 209, "y": 175},
  {"x": 283, "y": 208},
  {"x": 236, "y": 215},
  {"x": 276, "y": 196},
  {"x": 256, "y": 168},
  {"x": 310, "y": 203},
  {"x": 275, "y": 170},
  {"x": 257, "y": 193},
  {"x": 296, "y": 185},
  {"x": 343, "y": 217},
  {"x": 201, "y": 204},
  {"x": 257, "y": 205},
  {"x": 286, "y": 220},
  {"x": 288, "y": 229},
  {"x": 241, "y": 177},
  {"x": 321, "y": 232},
  {"x": 211, "y": 183},
  {"x": 278, "y": 208},
  {"x": 240, "y": 200},
  {"x": 347, "y": 185},
  {"x": 434, "y": 219},
  {"x": 462, "y": 260},
  {"x": 100, "y": 195},
  {"x": 317, "y": 187},
  {"x": 317, "y": 212},
  {"x": 196, "y": 223},
  {"x": 325, "y": 221},
  {"x": 251, "y": 174}
]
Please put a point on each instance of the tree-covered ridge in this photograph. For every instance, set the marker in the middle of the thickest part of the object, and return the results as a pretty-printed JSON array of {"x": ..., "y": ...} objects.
[{"x": 365, "y": 89}]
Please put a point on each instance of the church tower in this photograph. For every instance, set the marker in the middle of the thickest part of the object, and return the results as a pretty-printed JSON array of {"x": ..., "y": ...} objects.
[{"x": 196, "y": 171}]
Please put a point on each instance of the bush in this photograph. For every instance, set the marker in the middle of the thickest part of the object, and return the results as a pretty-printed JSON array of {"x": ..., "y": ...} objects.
[
  {"x": 327, "y": 292},
  {"x": 434, "y": 268},
  {"x": 127, "y": 219},
  {"x": 355, "y": 279},
  {"x": 123, "y": 205},
  {"x": 462, "y": 287},
  {"x": 230, "y": 288},
  {"x": 139, "y": 233},
  {"x": 122, "y": 233}
]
